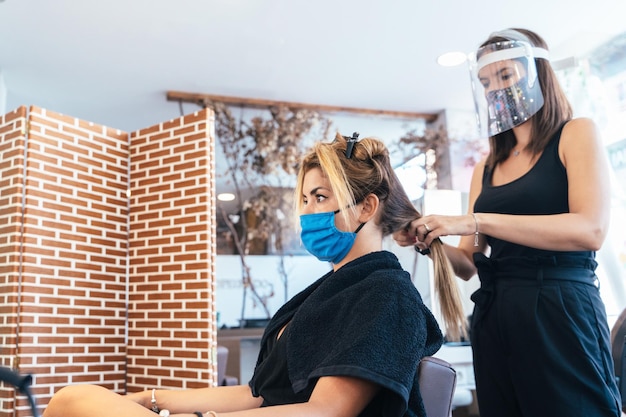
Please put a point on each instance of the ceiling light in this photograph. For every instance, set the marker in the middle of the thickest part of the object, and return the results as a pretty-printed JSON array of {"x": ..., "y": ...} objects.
[
  {"x": 226, "y": 196},
  {"x": 452, "y": 59}
]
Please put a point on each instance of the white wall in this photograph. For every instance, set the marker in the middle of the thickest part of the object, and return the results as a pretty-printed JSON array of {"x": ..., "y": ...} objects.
[{"x": 3, "y": 95}]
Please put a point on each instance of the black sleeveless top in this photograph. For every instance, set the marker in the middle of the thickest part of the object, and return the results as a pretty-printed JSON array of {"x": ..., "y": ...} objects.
[{"x": 542, "y": 190}]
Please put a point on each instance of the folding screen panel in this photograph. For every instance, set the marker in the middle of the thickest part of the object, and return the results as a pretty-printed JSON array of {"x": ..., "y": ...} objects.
[
  {"x": 172, "y": 249},
  {"x": 12, "y": 139},
  {"x": 74, "y": 250},
  {"x": 90, "y": 282}
]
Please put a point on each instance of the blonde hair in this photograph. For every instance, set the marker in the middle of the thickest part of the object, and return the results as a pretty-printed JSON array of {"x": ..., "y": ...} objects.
[{"x": 369, "y": 171}]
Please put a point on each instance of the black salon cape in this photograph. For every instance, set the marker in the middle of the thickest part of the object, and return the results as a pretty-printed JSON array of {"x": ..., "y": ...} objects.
[{"x": 366, "y": 320}]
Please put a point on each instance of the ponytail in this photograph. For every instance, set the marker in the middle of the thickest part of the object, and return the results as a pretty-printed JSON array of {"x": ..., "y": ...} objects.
[{"x": 447, "y": 292}]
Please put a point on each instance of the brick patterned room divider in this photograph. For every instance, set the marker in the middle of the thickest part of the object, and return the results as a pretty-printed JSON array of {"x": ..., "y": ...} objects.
[
  {"x": 92, "y": 284},
  {"x": 12, "y": 134},
  {"x": 172, "y": 247}
]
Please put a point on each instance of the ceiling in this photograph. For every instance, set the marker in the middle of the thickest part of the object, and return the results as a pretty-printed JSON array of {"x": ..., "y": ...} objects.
[{"x": 112, "y": 62}]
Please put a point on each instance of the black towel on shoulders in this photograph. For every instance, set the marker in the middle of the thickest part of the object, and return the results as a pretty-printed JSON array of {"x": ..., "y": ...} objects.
[{"x": 366, "y": 320}]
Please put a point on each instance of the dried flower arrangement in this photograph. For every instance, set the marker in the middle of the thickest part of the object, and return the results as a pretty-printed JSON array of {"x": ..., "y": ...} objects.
[{"x": 255, "y": 150}]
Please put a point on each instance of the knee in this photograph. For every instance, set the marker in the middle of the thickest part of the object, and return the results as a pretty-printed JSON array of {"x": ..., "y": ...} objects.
[{"x": 68, "y": 401}]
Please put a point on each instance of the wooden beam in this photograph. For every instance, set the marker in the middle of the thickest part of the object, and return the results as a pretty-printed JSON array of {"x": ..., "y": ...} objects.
[{"x": 206, "y": 99}]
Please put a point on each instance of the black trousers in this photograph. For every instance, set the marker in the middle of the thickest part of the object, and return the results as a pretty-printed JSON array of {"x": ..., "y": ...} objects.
[{"x": 541, "y": 345}]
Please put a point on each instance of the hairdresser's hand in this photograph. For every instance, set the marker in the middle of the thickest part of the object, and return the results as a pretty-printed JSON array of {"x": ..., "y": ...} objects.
[
  {"x": 407, "y": 238},
  {"x": 415, "y": 234},
  {"x": 428, "y": 228}
]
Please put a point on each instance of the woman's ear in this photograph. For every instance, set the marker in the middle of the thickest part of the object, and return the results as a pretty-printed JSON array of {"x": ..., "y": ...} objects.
[{"x": 369, "y": 208}]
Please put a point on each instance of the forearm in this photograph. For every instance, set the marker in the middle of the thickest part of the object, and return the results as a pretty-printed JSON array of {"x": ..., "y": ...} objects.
[
  {"x": 557, "y": 232},
  {"x": 220, "y": 399},
  {"x": 288, "y": 410},
  {"x": 331, "y": 397}
]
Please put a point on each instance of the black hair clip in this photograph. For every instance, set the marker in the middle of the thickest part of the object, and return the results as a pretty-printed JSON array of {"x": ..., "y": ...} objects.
[
  {"x": 422, "y": 251},
  {"x": 351, "y": 141}
]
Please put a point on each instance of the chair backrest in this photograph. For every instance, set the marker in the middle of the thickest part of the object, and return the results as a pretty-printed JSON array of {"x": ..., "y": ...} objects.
[
  {"x": 222, "y": 358},
  {"x": 21, "y": 383},
  {"x": 437, "y": 381}
]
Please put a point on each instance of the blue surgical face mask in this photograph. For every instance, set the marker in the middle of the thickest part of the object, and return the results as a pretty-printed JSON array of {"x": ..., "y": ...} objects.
[{"x": 323, "y": 240}]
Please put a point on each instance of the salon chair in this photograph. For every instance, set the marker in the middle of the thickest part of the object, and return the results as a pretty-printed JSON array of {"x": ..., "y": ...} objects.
[
  {"x": 618, "y": 341},
  {"x": 22, "y": 384},
  {"x": 222, "y": 359},
  {"x": 437, "y": 380}
]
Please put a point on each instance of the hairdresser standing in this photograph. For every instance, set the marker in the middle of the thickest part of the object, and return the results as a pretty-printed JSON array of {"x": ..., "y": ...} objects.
[{"x": 539, "y": 206}]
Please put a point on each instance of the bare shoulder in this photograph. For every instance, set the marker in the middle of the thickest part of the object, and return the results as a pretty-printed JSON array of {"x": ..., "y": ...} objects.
[
  {"x": 578, "y": 129},
  {"x": 480, "y": 166},
  {"x": 580, "y": 139}
]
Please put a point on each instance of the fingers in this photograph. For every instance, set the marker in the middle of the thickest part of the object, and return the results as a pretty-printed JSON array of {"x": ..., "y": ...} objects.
[
  {"x": 416, "y": 234},
  {"x": 404, "y": 238},
  {"x": 422, "y": 231}
]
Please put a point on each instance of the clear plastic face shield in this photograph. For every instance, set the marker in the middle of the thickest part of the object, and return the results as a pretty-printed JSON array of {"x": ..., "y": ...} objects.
[{"x": 505, "y": 85}]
